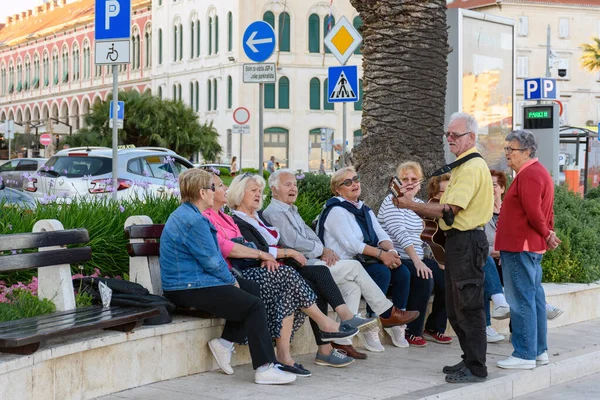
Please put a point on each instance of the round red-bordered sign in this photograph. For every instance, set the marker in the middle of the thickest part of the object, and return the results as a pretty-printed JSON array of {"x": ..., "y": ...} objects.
[
  {"x": 45, "y": 139},
  {"x": 241, "y": 115}
]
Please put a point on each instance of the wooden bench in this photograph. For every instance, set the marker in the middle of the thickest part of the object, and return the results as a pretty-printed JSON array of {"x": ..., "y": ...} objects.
[
  {"x": 144, "y": 250},
  {"x": 53, "y": 259}
]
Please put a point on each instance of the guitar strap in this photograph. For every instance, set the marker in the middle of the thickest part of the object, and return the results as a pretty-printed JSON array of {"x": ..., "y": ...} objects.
[{"x": 447, "y": 168}]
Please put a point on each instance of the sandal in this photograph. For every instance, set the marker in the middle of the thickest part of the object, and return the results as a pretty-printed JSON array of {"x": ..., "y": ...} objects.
[{"x": 464, "y": 376}]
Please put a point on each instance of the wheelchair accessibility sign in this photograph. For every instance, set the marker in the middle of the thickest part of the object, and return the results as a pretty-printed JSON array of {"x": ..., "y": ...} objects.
[{"x": 112, "y": 52}]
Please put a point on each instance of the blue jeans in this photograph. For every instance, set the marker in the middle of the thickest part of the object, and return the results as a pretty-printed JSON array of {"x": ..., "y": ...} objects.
[
  {"x": 399, "y": 278},
  {"x": 522, "y": 274},
  {"x": 491, "y": 285}
]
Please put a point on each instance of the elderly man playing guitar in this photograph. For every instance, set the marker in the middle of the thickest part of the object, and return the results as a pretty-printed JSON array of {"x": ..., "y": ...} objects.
[
  {"x": 405, "y": 229},
  {"x": 465, "y": 207}
]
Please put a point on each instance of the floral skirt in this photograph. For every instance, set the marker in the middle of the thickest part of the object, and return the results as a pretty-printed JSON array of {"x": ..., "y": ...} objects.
[{"x": 284, "y": 292}]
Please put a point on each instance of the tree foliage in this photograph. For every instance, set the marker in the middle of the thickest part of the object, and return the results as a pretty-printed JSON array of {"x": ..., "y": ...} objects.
[
  {"x": 151, "y": 121},
  {"x": 590, "y": 59}
]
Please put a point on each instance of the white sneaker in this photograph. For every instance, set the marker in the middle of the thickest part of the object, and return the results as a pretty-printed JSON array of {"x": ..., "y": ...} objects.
[
  {"x": 272, "y": 375},
  {"x": 501, "y": 312},
  {"x": 516, "y": 363},
  {"x": 552, "y": 312},
  {"x": 371, "y": 340},
  {"x": 492, "y": 336},
  {"x": 542, "y": 359},
  {"x": 398, "y": 335},
  {"x": 222, "y": 354}
]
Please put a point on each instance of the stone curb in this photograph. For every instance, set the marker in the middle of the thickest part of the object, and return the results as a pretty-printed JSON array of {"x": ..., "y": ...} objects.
[{"x": 518, "y": 382}]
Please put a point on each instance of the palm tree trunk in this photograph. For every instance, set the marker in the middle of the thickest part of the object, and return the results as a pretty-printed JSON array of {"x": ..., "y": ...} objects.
[{"x": 405, "y": 44}]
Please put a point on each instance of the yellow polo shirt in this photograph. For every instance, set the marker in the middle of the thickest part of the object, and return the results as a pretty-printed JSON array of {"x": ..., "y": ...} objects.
[{"x": 470, "y": 188}]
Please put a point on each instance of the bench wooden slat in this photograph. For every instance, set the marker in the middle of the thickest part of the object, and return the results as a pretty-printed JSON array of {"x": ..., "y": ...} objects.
[
  {"x": 148, "y": 249},
  {"x": 59, "y": 317},
  {"x": 144, "y": 231},
  {"x": 16, "y": 262},
  {"x": 20, "y": 241},
  {"x": 105, "y": 318}
]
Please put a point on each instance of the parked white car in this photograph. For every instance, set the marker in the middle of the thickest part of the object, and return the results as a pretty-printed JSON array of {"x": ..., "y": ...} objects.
[
  {"x": 86, "y": 172},
  {"x": 11, "y": 172}
]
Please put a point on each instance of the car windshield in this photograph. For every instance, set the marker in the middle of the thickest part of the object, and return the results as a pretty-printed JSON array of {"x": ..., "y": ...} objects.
[{"x": 76, "y": 167}]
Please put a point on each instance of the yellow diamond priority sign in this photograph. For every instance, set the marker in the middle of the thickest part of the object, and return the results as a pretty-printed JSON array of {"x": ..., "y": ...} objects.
[{"x": 342, "y": 40}]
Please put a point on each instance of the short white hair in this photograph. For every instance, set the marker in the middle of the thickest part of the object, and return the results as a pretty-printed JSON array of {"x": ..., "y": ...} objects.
[
  {"x": 237, "y": 189},
  {"x": 274, "y": 177},
  {"x": 470, "y": 121}
]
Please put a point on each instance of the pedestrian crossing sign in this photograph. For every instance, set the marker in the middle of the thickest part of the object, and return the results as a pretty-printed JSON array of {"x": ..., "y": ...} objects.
[{"x": 342, "y": 84}]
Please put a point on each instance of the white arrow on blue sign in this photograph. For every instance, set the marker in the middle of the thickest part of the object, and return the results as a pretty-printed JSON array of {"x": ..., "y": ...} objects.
[
  {"x": 120, "y": 110},
  {"x": 540, "y": 89},
  {"x": 113, "y": 19},
  {"x": 342, "y": 84},
  {"x": 259, "y": 41}
]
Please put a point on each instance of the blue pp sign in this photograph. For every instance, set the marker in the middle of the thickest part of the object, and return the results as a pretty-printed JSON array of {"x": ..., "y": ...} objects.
[
  {"x": 259, "y": 41},
  {"x": 540, "y": 89},
  {"x": 113, "y": 19},
  {"x": 342, "y": 84},
  {"x": 120, "y": 110}
]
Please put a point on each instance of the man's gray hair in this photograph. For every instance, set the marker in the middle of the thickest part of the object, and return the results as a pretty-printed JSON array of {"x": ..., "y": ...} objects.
[
  {"x": 470, "y": 121},
  {"x": 526, "y": 139},
  {"x": 274, "y": 177}
]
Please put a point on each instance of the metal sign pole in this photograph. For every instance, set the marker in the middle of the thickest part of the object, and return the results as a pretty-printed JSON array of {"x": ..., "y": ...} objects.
[
  {"x": 240, "y": 163},
  {"x": 115, "y": 131},
  {"x": 343, "y": 157},
  {"x": 261, "y": 134}
]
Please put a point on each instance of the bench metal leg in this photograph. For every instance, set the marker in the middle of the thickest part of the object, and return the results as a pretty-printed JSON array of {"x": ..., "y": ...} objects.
[{"x": 22, "y": 350}]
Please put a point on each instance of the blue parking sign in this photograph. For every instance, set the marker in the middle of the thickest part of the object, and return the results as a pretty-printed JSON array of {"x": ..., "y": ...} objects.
[
  {"x": 112, "y": 19},
  {"x": 342, "y": 84},
  {"x": 540, "y": 89},
  {"x": 120, "y": 110}
]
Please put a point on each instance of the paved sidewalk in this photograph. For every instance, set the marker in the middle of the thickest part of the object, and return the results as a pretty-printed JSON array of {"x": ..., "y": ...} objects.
[
  {"x": 584, "y": 388},
  {"x": 413, "y": 373}
]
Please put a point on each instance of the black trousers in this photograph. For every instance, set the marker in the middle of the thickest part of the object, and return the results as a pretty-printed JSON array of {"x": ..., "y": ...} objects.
[
  {"x": 321, "y": 282},
  {"x": 466, "y": 253},
  {"x": 243, "y": 311},
  {"x": 438, "y": 319}
]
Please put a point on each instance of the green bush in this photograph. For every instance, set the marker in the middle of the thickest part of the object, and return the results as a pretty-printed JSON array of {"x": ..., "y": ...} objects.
[
  {"x": 23, "y": 304},
  {"x": 266, "y": 173},
  {"x": 224, "y": 172}
]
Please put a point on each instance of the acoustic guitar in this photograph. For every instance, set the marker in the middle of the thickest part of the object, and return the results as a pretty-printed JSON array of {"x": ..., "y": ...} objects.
[{"x": 431, "y": 234}]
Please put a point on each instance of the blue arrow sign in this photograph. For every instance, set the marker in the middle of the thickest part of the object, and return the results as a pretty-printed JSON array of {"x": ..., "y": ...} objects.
[
  {"x": 120, "y": 110},
  {"x": 113, "y": 19},
  {"x": 342, "y": 84},
  {"x": 259, "y": 41}
]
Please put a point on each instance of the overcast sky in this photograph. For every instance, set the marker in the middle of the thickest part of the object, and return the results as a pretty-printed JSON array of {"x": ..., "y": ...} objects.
[{"x": 11, "y": 7}]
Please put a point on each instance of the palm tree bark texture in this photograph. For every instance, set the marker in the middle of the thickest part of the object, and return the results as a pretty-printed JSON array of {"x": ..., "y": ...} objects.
[{"x": 405, "y": 45}]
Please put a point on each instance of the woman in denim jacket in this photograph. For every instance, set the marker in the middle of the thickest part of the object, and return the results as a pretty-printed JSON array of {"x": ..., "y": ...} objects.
[{"x": 194, "y": 274}]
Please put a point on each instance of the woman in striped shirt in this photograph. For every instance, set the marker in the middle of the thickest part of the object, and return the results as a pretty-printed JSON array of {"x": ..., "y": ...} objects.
[{"x": 404, "y": 228}]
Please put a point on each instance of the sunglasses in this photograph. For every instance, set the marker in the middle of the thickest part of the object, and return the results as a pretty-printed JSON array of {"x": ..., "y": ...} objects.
[
  {"x": 246, "y": 175},
  {"x": 212, "y": 187},
  {"x": 349, "y": 182}
]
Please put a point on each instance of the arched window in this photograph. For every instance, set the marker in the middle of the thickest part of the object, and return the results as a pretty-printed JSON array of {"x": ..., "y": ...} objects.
[
  {"x": 314, "y": 34},
  {"x": 148, "y": 46},
  {"x": 160, "y": 49},
  {"x": 179, "y": 97},
  {"x": 216, "y": 34},
  {"x": 269, "y": 95},
  {"x": 215, "y": 91},
  {"x": 229, "y": 92},
  {"x": 315, "y": 94},
  {"x": 55, "y": 66},
  {"x": 358, "y": 104},
  {"x": 192, "y": 37},
  {"x": 209, "y": 92},
  {"x": 3, "y": 81},
  {"x": 284, "y": 31},
  {"x": 229, "y": 31},
  {"x": 284, "y": 93},
  {"x": 357, "y": 22},
  {"x": 198, "y": 30},
  {"x": 36, "y": 71},
  {"x": 197, "y": 90},
  {"x": 358, "y": 136},
  {"x": 180, "y": 42},
  {"x": 276, "y": 142},
  {"x": 160, "y": 92},
  {"x": 175, "y": 36},
  {"x": 75, "y": 53},
  {"x": 328, "y": 24},
  {"x": 269, "y": 18},
  {"x": 46, "y": 66},
  {"x": 27, "y": 83},
  {"x": 65, "y": 65},
  {"x": 135, "y": 41},
  {"x": 174, "y": 92},
  {"x": 191, "y": 103},
  {"x": 210, "y": 36},
  {"x": 19, "y": 76},
  {"x": 326, "y": 105},
  {"x": 11, "y": 77}
]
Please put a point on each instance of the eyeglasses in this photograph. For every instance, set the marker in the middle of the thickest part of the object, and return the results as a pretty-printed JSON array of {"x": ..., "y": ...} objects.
[
  {"x": 349, "y": 182},
  {"x": 509, "y": 150},
  {"x": 212, "y": 187},
  {"x": 455, "y": 135}
]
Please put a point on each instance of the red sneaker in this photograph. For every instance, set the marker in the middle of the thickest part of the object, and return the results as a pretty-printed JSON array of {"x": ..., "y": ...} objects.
[
  {"x": 416, "y": 341},
  {"x": 437, "y": 337}
]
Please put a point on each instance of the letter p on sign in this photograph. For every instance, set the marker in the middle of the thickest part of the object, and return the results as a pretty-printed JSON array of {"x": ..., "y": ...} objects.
[
  {"x": 531, "y": 88},
  {"x": 548, "y": 89},
  {"x": 112, "y": 10}
]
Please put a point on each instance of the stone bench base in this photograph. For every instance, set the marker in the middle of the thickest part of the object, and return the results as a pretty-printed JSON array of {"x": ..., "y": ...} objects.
[{"x": 101, "y": 363}]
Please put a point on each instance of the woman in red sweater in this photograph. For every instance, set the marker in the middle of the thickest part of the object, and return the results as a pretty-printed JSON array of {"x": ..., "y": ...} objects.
[{"x": 524, "y": 233}]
